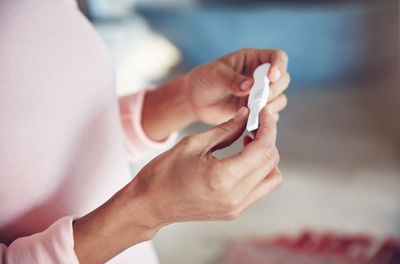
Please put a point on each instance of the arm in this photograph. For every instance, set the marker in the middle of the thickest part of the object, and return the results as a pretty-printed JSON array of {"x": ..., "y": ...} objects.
[
  {"x": 162, "y": 193},
  {"x": 210, "y": 93},
  {"x": 123, "y": 221},
  {"x": 167, "y": 109},
  {"x": 217, "y": 189}
]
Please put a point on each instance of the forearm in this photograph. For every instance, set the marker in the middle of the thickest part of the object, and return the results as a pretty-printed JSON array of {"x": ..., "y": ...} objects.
[
  {"x": 123, "y": 221},
  {"x": 166, "y": 109}
]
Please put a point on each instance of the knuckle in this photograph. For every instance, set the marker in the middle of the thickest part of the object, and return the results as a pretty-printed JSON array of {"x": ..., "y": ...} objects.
[
  {"x": 267, "y": 153},
  {"x": 246, "y": 49},
  {"x": 284, "y": 100},
  {"x": 276, "y": 117},
  {"x": 271, "y": 155},
  {"x": 276, "y": 181},
  {"x": 219, "y": 185},
  {"x": 229, "y": 171},
  {"x": 279, "y": 179},
  {"x": 185, "y": 141},
  {"x": 282, "y": 54},
  {"x": 288, "y": 78},
  {"x": 225, "y": 127},
  {"x": 275, "y": 156},
  {"x": 270, "y": 124},
  {"x": 274, "y": 127},
  {"x": 188, "y": 142},
  {"x": 231, "y": 215},
  {"x": 232, "y": 203}
]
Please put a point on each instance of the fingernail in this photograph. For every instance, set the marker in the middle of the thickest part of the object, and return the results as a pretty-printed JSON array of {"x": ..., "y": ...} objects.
[
  {"x": 240, "y": 113},
  {"x": 277, "y": 75},
  {"x": 245, "y": 85}
]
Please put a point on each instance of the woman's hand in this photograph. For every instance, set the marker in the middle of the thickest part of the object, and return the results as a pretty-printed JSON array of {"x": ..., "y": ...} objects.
[
  {"x": 216, "y": 90},
  {"x": 188, "y": 183},
  {"x": 213, "y": 92}
]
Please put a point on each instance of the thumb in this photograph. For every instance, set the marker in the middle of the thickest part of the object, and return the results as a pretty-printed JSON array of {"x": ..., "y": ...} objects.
[
  {"x": 226, "y": 133},
  {"x": 237, "y": 83}
]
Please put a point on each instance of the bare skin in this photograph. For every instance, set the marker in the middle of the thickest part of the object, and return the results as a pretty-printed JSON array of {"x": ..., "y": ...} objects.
[
  {"x": 212, "y": 93},
  {"x": 187, "y": 183}
]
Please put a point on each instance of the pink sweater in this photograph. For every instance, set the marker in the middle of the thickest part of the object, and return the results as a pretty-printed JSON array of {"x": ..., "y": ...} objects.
[{"x": 61, "y": 140}]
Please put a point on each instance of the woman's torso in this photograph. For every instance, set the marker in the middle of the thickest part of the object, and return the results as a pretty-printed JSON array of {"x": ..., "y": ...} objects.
[{"x": 61, "y": 150}]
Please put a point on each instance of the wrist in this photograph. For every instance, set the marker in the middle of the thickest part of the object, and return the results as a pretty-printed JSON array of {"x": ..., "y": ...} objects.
[
  {"x": 118, "y": 224},
  {"x": 138, "y": 199},
  {"x": 167, "y": 109}
]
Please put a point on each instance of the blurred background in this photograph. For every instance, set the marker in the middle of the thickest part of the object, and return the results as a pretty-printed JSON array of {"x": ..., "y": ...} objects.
[{"x": 339, "y": 137}]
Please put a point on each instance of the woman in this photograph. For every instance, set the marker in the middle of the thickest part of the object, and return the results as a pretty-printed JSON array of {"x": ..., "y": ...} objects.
[{"x": 62, "y": 146}]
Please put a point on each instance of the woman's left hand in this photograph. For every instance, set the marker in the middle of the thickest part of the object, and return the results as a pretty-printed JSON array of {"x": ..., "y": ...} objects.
[
  {"x": 218, "y": 89},
  {"x": 213, "y": 92}
]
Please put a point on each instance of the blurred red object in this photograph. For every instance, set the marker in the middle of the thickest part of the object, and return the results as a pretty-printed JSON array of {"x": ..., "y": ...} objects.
[{"x": 315, "y": 248}]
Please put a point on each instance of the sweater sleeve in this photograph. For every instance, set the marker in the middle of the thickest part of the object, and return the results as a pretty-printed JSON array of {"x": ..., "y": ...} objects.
[
  {"x": 53, "y": 245},
  {"x": 137, "y": 144}
]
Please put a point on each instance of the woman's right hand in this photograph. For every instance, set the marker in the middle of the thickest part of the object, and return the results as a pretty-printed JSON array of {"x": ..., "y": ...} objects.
[{"x": 187, "y": 183}]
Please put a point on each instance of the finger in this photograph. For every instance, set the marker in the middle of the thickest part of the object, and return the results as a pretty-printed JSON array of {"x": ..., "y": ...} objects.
[
  {"x": 276, "y": 89},
  {"x": 266, "y": 132},
  {"x": 251, "y": 58},
  {"x": 238, "y": 79},
  {"x": 235, "y": 82},
  {"x": 224, "y": 134},
  {"x": 279, "y": 61},
  {"x": 248, "y": 183},
  {"x": 278, "y": 104},
  {"x": 229, "y": 106},
  {"x": 258, "y": 152},
  {"x": 267, "y": 185}
]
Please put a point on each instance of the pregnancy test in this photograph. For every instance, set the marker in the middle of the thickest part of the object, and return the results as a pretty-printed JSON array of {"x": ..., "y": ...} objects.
[{"x": 258, "y": 95}]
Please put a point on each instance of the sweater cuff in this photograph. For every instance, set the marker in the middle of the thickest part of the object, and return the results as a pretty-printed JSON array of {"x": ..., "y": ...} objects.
[{"x": 54, "y": 245}]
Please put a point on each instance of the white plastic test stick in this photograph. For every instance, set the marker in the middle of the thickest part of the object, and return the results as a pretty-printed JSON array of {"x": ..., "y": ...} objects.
[{"x": 258, "y": 95}]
